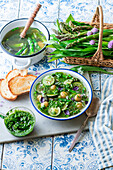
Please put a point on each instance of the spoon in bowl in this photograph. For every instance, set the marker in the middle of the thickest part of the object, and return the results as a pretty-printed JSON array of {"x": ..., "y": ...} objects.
[
  {"x": 30, "y": 21},
  {"x": 91, "y": 112}
]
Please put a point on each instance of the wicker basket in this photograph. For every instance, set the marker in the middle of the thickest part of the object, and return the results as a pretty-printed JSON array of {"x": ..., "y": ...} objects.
[{"x": 97, "y": 59}]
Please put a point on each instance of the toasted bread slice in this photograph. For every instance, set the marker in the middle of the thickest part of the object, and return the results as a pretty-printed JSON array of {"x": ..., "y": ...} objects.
[
  {"x": 16, "y": 72},
  {"x": 5, "y": 92},
  {"x": 21, "y": 84},
  {"x": 0, "y": 84},
  {"x": 4, "y": 89}
]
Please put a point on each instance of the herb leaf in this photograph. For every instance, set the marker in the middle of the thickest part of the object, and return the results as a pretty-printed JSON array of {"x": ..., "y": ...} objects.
[{"x": 90, "y": 68}]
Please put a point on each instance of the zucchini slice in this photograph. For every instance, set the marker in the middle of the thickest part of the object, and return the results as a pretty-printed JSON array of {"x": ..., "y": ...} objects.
[
  {"x": 54, "y": 111},
  {"x": 68, "y": 81},
  {"x": 48, "y": 80},
  {"x": 52, "y": 95},
  {"x": 39, "y": 88}
]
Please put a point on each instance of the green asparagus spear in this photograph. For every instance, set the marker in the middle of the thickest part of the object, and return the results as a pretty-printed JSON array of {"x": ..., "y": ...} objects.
[
  {"x": 39, "y": 36},
  {"x": 65, "y": 28},
  {"x": 31, "y": 45},
  {"x": 37, "y": 48},
  {"x": 82, "y": 28},
  {"x": 16, "y": 45},
  {"x": 56, "y": 32},
  {"x": 79, "y": 23},
  {"x": 71, "y": 24},
  {"x": 95, "y": 36},
  {"x": 21, "y": 50},
  {"x": 63, "y": 35},
  {"x": 24, "y": 52},
  {"x": 74, "y": 36},
  {"x": 108, "y": 38}
]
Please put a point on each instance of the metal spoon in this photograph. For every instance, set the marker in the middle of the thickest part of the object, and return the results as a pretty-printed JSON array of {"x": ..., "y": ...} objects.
[
  {"x": 9, "y": 48},
  {"x": 91, "y": 112}
]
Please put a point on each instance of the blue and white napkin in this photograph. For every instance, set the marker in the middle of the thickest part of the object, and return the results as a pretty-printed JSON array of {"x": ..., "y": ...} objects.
[{"x": 102, "y": 128}]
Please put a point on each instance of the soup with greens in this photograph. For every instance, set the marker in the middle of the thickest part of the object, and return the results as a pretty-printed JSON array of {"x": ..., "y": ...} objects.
[
  {"x": 32, "y": 43},
  {"x": 60, "y": 95}
]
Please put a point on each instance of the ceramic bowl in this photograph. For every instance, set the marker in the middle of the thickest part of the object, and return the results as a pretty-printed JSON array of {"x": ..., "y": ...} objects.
[
  {"x": 67, "y": 71},
  {"x": 24, "y": 61}
]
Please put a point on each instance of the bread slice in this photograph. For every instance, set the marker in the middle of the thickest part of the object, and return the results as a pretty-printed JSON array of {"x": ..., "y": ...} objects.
[
  {"x": 4, "y": 89},
  {"x": 0, "y": 84},
  {"x": 21, "y": 84},
  {"x": 5, "y": 92},
  {"x": 16, "y": 72}
]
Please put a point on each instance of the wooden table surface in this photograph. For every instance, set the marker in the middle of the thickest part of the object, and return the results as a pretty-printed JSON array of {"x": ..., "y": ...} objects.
[{"x": 51, "y": 152}]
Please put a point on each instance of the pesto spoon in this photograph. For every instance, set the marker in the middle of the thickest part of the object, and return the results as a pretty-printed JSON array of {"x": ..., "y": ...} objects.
[{"x": 91, "y": 112}]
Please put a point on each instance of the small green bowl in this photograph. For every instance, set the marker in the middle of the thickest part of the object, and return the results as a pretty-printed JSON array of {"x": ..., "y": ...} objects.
[{"x": 20, "y": 121}]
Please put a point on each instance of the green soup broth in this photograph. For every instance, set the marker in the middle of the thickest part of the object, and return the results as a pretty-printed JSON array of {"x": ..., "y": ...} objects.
[{"x": 31, "y": 44}]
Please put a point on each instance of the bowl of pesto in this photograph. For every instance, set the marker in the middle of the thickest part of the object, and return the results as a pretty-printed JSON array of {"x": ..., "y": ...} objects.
[
  {"x": 24, "y": 51},
  {"x": 61, "y": 94},
  {"x": 19, "y": 121}
]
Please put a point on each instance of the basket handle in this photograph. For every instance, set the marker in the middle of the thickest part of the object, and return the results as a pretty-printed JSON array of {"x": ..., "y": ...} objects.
[{"x": 98, "y": 16}]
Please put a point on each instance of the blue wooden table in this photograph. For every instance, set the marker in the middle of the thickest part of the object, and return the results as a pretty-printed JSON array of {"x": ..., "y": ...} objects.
[{"x": 51, "y": 152}]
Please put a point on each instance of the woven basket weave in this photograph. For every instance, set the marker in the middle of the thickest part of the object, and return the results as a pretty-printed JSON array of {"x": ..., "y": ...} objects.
[{"x": 97, "y": 59}]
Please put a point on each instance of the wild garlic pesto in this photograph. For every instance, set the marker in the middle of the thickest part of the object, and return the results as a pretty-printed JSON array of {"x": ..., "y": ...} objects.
[
  {"x": 60, "y": 95},
  {"x": 19, "y": 122}
]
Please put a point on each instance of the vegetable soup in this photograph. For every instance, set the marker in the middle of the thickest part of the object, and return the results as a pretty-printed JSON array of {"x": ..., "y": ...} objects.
[
  {"x": 60, "y": 95},
  {"x": 31, "y": 44}
]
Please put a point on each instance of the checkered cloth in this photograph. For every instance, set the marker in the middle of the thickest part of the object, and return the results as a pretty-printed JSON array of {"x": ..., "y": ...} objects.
[{"x": 102, "y": 128}]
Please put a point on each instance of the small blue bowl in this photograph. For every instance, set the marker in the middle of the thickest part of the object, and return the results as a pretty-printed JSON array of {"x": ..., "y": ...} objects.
[{"x": 67, "y": 71}]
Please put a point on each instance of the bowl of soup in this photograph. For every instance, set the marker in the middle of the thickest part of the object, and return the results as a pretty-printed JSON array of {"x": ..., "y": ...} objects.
[
  {"x": 24, "y": 51},
  {"x": 61, "y": 94}
]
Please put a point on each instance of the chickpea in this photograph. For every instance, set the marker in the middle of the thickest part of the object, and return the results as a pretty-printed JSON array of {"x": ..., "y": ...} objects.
[
  {"x": 63, "y": 94},
  {"x": 44, "y": 104},
  {"x": 78, "y": 97},
  {"x": 53, "y": 87},
  {"x": 39, "y": 97},
  {"x": 79, "y": 105}
]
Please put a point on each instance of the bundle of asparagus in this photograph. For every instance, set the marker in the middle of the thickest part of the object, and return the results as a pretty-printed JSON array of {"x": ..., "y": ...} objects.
[{"x": 78, "y": 39}]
